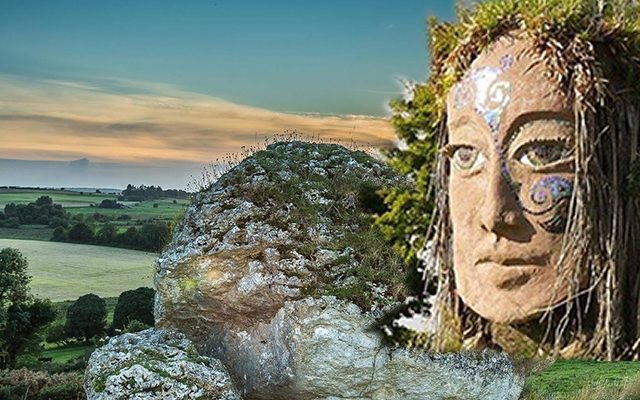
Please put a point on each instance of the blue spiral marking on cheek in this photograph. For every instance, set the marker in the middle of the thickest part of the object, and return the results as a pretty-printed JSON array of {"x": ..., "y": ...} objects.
[{"x": 551, "y": 189}]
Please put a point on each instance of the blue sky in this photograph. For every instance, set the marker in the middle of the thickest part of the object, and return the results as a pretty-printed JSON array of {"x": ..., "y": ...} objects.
[
  {"x": 143, "y": 86},
  {"x": 293, "y": 56}
]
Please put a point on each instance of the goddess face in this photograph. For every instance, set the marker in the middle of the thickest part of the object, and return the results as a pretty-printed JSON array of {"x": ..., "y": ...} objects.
[{"x": 511, "y": 179}]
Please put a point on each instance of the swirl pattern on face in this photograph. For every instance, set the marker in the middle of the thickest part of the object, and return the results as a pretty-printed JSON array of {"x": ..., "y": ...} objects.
[
  {"x": 550, "y": 190},
  {"x": 491, "y": 94},
  {"x": 511, "y": 148}
]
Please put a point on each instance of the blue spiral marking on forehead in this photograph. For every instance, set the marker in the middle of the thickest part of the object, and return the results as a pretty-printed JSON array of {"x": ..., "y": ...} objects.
[{"x": 491, "y": 94}]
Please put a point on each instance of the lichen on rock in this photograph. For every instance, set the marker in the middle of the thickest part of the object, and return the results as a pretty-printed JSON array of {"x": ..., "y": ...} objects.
[
  {"x": 291, "y": 221},
  {"x": 155, "y": 364}
]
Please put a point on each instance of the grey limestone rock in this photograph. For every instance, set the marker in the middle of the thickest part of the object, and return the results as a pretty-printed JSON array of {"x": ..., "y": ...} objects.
[
  {"x": 326, "y": 348},
  {"x": 247, "y": 245},
  {"x": 155, "y": 364}
]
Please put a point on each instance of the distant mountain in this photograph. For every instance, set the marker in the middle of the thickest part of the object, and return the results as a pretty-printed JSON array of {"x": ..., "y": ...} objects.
[{"x": 86, "y": 174}]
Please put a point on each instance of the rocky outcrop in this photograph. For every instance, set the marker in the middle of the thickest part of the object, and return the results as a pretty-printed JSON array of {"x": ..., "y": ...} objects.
[
  {"x": 289, "y": 222},
  {"x": 155, "y": 364},
  {"x": 276, "y": 271}
]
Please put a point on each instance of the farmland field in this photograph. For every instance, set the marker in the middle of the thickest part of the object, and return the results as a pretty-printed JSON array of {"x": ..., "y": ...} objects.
[
  {"x": 65, "y": 271},
  {"x": 77, "y": 204},
  {"x": 66, "y": 198},
  {"x": 27, "y": 232},
  {"x": 151, "y": 209},
  {"x": 65, "y": 354}
]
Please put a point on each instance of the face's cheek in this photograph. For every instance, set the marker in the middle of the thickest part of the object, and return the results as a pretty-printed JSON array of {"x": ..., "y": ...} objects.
[
  {"x": 547, "y": 200},
  {"x": 466, "y": 196}
]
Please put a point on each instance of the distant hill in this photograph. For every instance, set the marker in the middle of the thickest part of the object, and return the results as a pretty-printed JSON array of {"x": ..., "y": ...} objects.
[
  {"x": 93, "y": 189},
  {"x": 87, "y": 174}
]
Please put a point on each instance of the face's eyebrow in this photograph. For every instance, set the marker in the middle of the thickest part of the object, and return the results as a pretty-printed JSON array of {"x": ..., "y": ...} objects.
[{"x": 525, "y": 118}]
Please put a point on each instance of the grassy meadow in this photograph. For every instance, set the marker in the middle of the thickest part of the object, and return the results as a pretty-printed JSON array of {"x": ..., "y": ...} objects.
[
  {"x": 65, "y": 271},
  {"x": 86, "y": 204},
  {"x": 586, "y": 380},
  {"x": 66, "y": 198}
]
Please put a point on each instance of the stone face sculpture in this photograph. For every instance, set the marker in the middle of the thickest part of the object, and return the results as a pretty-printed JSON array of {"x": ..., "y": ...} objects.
[
  {"x": 535, "y": 235},
  {"x": 511, "y": 151}
]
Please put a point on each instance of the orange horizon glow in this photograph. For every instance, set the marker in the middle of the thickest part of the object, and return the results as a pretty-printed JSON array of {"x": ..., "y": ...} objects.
[{"x": 62, "y": 121}]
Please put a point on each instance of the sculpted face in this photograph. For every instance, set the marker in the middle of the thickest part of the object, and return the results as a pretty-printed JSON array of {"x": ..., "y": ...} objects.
[{"x": 511, "y": 179}]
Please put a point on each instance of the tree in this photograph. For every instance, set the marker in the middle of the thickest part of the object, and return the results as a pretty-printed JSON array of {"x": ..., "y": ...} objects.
[
  {"x": 154, "y": 236},
  {"x": 44, "y": 201},
  {"x": 134, "y": 305},
  {"x": 416, "y": 122},
  {"x": 24, "y": 322},
  {"x": 107, "y": 234},
  {"x": 57, "y": 334},
  {"x": 109, "y": 203},
  {"x": 22, "y": 316},
  {"x": 81, "y": 232},
  {"x": 130, "y": 238},
  {"x": 14, "y": 281},
  {"x": 86, "y": 317},
  {"x": 59, "y": 234}
]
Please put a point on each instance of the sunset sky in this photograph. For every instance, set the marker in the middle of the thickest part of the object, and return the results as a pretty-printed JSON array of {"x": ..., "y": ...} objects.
[{"x": 140, "y": 88}]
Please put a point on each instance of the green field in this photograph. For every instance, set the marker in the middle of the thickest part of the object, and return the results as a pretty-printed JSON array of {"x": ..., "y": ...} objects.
[
  {"x": 165, "y": 209},
  {"x": 86, "y": 204},
  {"x": 65, "y": 271},
  {"x": 66, "y": 198},
  {"x": 581, "y": 379},
  {"x": 64, "y": 354},
  {"x": 27, "y": 232}
]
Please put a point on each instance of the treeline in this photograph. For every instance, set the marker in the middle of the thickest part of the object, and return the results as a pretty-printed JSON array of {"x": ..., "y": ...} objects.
[
  {"x": 142, "y": 193},
  {"x": 42, "y": 212},
  {"x": 95, "y": 229},
  {"x": 152, "y": 236}
]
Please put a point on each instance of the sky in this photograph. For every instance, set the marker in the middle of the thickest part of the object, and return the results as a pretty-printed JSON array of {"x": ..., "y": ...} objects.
[{"x": 141, "y": 88}]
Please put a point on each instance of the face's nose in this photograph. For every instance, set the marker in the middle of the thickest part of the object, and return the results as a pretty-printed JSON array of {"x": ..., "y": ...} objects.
[{"x": 500, "y": 212}]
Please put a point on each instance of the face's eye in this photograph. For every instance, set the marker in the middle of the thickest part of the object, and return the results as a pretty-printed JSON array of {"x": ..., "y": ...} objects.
[
  {"x": 541, "y": 154},
  {"x": 467, "y": 158}
]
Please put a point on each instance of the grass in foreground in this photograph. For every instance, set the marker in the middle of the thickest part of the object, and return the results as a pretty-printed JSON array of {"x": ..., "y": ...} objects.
[
  {"x": 584, "y": 379},
  {"x": 65, "y": 271}
]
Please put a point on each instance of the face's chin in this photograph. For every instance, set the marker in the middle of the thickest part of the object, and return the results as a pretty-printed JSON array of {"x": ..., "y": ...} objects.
[{"x": 506, "y": 291}]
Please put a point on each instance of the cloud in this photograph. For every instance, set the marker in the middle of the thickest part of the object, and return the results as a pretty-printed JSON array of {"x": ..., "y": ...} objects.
[{"x": 141, "y": 122}]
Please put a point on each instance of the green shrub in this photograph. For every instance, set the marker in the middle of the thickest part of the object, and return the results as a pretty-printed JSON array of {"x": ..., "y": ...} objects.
[
  {"x": 134, "y": 305},
  {"x": 135, "y": 326},
  {"x": 26, "y": 384}
]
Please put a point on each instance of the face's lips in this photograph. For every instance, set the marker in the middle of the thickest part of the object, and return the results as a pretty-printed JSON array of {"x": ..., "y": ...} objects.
[{"x": 510, "y": 260}]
